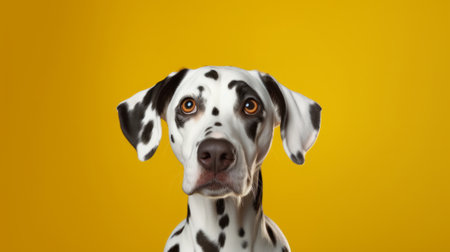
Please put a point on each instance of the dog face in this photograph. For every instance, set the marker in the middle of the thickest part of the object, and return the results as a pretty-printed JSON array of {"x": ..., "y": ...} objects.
[{"x": 221, "y": 122}]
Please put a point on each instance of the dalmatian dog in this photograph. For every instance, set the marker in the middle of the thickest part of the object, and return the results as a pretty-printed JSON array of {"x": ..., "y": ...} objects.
[{"x": 221, "y": 122}]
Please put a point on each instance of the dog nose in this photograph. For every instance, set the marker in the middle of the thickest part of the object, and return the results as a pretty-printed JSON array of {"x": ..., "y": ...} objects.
[{"x": 215, "y": 154}]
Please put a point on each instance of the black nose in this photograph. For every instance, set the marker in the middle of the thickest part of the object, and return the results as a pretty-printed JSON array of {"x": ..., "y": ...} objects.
[{"x": 215, "y": 154}]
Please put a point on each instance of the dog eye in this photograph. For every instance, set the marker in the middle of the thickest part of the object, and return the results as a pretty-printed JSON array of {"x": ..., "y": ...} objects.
[
  {"x": 251, "y": 107},
  {"x": 188, "y": 106}
]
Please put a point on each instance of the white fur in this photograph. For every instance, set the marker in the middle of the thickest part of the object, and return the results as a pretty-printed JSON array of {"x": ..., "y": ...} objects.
[{"x": 299, "y": 135}]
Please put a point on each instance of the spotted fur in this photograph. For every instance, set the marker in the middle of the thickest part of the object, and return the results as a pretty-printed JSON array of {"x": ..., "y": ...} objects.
[{"x": 233, "y": 219}]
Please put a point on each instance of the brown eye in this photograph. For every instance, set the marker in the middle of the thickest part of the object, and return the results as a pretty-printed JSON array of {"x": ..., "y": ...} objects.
[
  {"x": 250, "y": 107},
  {"x": 188, "y": 106}
]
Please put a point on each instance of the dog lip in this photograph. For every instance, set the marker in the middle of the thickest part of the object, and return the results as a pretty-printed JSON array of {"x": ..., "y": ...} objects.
[
  {"x": 213, "y": 187},
  {"x": 212, "y": 184}
]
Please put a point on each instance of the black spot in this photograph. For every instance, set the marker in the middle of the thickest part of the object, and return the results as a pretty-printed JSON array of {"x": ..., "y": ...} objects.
[
  {"x": 283, "y": 125},
  {"x": 174, "y": 248},
  {"x": 150, "y": 95},
  {"x": 200, "y": 89},
  {"x": 244, "y": 244},
  {"x": 181, "y": 118},
  {"x": 250, "y": 129},
  {"x": 179, "y": 121},
  {"x": 234, "y": 83},
  {"x": 258, "y": 197},
  {"x": 298, "y": 159},
  {"x": 220, "y": 206},
  {"x": 167, "y": 88},
  {"x": 218, "y": 124},
  {"x": 271, "y": 235},
  {"x": 223, "y": 222},
  {"x": 188, "y": 214},
  {"x": 207, "y": 133},
  {"x": 284, "y": 249},
  {"x": 241, "y": 232},
  {"x": 159, "y": 95},
  {"x": 205, "y": 243},
  {"x": 147, "y": 132},
  {"x": 208, "y": 128},
  {"x": 150, "y": 154},
  {"x": 171, "y": 138},
  {"x": 276, "y": 96},
  {"x": 215, "y": 111},
  {"x": 244, "y": 91},
  {"x": 221, "y": 240},
  {"x": 314, "y": 111},
  {"x": 131, "y": 121},
  {"x": 212, "y": 74},
  {"x": 178, "y": 232}
]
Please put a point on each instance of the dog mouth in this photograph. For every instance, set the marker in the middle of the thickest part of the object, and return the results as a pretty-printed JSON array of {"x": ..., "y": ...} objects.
[
  {"x": 214, "y": 189},
  {"x": 214, "y": 185}
]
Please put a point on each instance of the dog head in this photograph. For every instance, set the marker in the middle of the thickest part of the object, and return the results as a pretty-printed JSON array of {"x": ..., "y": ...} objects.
[{"x": 221, "y": 122}]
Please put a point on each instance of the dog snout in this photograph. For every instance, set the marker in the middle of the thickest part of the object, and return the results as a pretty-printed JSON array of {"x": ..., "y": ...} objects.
[{"x": 216, "y": 155}]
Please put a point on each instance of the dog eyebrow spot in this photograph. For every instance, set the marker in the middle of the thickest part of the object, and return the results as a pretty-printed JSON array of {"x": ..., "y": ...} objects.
[
  {"x": 218, "y": 124},
  {"x": 212, "y": 74},
  {"x": 200, "y": 89},
  {"x": 208, "y": 128},
  {"x": 215, "y": 111},
  {"x": 236, "y": 82},
  {"x": 243, "y": 90}
]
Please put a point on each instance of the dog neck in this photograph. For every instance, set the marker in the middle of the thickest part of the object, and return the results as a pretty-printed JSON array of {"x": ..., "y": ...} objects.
[{"x": 209, "y": 218}]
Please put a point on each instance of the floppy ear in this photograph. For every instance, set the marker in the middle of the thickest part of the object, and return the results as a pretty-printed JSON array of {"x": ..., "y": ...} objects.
[
  {"x": 139, "y": 115},
  {"x": 298, "y": 116}
]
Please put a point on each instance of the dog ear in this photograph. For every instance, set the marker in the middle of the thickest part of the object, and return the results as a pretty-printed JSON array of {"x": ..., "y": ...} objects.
[
  {"x": 140, "y": 114},
  {"x": 298, "y": 116}
]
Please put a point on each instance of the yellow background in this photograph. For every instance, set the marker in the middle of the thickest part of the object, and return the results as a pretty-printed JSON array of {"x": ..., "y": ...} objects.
[{"x": 377, "y": 179}]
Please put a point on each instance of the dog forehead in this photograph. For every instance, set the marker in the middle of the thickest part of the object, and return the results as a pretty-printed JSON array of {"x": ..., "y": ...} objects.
[{"x": 217, "y": 79}]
